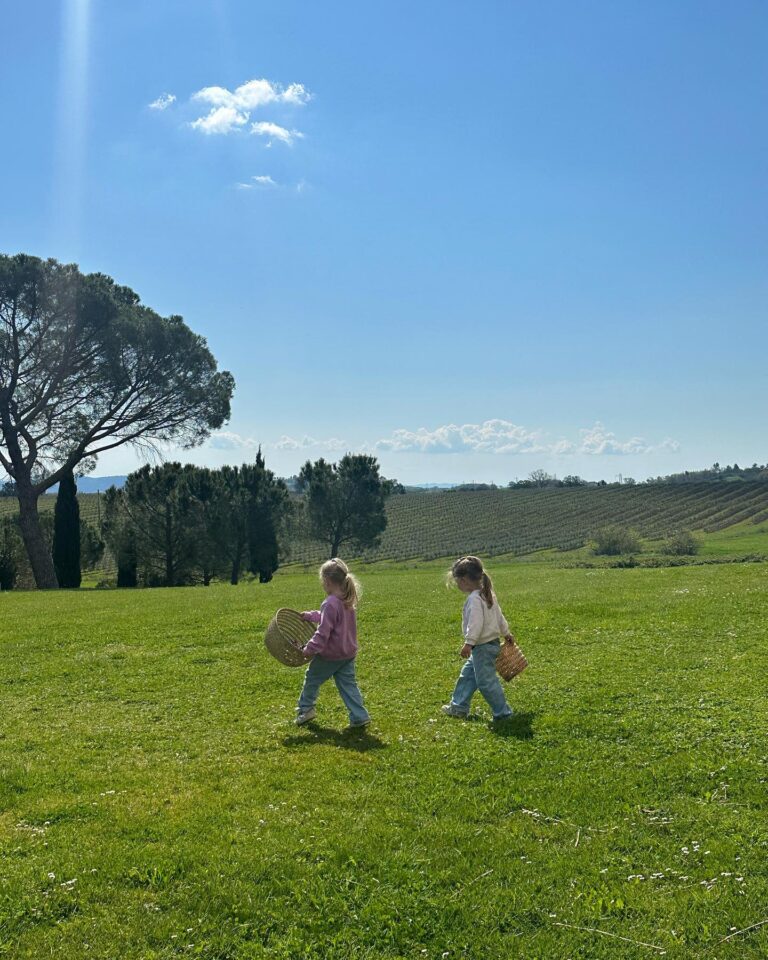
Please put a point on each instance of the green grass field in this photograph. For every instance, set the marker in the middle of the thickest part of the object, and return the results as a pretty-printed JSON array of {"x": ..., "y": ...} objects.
[
  {"x": 155, "y": 801},
  {"x": 741, "y": 539}
]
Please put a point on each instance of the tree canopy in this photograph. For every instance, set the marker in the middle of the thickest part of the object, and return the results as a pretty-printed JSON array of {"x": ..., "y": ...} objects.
[
  {"x": 84, "y": 368},
  {"x": 345, "y": 501},
  {"x": 177, "y": 524}
]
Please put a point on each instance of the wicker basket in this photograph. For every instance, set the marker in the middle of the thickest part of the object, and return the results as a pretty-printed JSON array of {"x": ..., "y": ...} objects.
[
  {"x": 286, "y": 635},
  {"x": 510, "y": 661}
]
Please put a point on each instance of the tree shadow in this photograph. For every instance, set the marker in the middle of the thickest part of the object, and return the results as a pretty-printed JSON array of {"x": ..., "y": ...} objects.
[
  {"x": 519, "y": 726},
  {"x": 360, "y": 739}
]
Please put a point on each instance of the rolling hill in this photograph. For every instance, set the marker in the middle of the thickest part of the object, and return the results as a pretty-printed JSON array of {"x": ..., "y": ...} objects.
[{"x": 515, "y": 522}]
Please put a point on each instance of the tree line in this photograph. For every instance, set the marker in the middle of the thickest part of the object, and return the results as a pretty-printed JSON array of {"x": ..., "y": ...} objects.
[
  {"x": 540, "y": 478},
  {"x": 177, "y": 525}
]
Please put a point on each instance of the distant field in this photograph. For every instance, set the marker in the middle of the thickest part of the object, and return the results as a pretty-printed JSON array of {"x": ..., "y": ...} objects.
[
  {"x": 519, "y": 522},
  {"x": 514, "y": 523},
  {"x": 156, "y": 803},
  {"x": 90, "y": 505}
]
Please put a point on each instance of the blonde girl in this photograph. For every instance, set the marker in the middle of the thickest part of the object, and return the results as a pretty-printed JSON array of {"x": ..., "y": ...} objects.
[
  {"x": 482, "y": 624},
  {"x": 333, "y": 646}
]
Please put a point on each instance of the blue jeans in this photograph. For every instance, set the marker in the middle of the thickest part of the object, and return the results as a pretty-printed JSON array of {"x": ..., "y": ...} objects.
[
  {"x": 343, "y": 673},
  {"x": 479, "y": 673}
]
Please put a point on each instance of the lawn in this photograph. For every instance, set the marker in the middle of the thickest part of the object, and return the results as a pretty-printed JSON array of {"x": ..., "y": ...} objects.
[{"x": 156, "y": 802}]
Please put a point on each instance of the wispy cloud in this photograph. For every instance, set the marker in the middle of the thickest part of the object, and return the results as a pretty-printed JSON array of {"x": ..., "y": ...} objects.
[
  {"x": 258, "y": 181},
  {"x": 228, "y": 440},
  {"x": 265, "y": 128},
  {"x": 230, "y": 110},
  {"x": 163, "y": 101},
  {"x": 262, "y": 183},
  {"x": 307, "y": 443},
  {"x": 504, "y": 437}
]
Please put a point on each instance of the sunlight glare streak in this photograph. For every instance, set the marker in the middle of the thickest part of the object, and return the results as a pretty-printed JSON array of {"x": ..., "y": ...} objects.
[{"x": 72, "y": 133}]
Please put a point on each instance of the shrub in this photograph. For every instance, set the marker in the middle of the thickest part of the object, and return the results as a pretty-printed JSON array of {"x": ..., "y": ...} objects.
[
  {"x": 614, "y": 540},
  {"x": 681, "y": 544}
]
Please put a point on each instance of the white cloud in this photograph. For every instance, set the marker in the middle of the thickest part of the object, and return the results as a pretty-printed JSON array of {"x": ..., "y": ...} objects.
[
  {"x": 265, "y": 128},
  {"x": 227, "y": 440},
  {"x": 232, "y": 109},
  {"x": 498, "y": 437},
  {"x": 163, "y": 101},
  {"x": 504, "y": 437},
  {"x": 306, "y": 443},
  {"x": 491, "y": 436},
  {"x": 254, "y": 94},
  {"x": 597, "y": 441},
  {"x": 222, "y": 120}
]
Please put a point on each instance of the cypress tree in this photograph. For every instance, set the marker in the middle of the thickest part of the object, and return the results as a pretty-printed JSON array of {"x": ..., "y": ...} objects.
[
  {"x": 66, "y": 533},
  {"x": 263, "y": 542},
  {"x": 127, "y": 565},
  {"x": 9, "y": 553}
]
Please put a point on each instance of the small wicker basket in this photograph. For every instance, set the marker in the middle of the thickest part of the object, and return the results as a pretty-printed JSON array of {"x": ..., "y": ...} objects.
[
  {"x": 286, "y": 635},
  {"x": 510, "y": 661}
]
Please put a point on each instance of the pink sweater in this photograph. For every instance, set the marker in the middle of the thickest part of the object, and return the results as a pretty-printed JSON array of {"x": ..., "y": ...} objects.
[{"x": 336, "y": 634}]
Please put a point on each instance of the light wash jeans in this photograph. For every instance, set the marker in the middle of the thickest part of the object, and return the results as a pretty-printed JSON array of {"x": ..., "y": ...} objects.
[
  {"x": 479, "y": 673},
  {"x": 343, "y": 673}
]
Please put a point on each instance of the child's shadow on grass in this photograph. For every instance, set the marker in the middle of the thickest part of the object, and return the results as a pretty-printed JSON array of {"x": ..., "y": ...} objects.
[
  {"x": 360, "y": 740},
  {"x": 519, "y": 726}
]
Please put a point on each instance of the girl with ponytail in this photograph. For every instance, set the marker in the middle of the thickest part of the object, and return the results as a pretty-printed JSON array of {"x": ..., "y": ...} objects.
[
  {"x": 482, "y": 624},
  {"x": 333, "y": 647}
]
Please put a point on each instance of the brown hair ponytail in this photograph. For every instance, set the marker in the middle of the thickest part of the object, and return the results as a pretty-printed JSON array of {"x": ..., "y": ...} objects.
[
  {"x": 471, "y": 568},
  {"x": 486, "y": 591}
]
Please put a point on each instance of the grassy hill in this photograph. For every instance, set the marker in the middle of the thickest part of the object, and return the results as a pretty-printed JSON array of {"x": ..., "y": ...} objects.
[
  {"x": 157, "y": 803},
  {"x": 517, "y": 522}
]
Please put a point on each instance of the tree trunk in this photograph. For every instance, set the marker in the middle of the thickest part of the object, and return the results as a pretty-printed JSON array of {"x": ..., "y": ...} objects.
[
  {"x": 40, "y": 558},
  {"x": 169, "y": 577},
  {"x": 234, "y": 578}
]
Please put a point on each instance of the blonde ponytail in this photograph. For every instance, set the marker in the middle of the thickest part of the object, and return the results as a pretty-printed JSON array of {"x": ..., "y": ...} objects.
[{"x": 338, "y": 573}]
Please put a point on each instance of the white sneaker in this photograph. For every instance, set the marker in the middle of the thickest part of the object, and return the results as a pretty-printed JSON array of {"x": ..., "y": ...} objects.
[
  {"x": 450, "y": 711},
  {"x": 305, "y": 716}
]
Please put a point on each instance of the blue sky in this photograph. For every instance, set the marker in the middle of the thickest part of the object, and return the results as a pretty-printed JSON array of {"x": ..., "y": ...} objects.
[{"x": 474, "y": 238}]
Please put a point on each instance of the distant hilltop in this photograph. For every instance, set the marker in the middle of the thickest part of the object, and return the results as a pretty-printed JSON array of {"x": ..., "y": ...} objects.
[
  {"x": 93, "y": 484},
  {"x": 100, "y": 484},
  {"x": 84, "y": 485}
]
